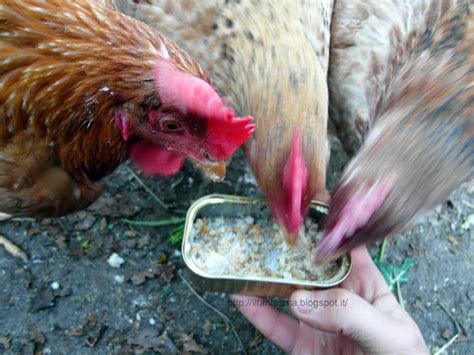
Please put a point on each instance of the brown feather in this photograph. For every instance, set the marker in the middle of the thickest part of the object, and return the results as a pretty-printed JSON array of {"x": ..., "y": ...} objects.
[
  {"x": 422, "y": 141},
  {"x": 65, "y": 67}
]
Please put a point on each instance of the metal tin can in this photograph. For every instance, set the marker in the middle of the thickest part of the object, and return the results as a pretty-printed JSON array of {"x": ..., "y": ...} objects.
[{"x": 235, "y": 206}]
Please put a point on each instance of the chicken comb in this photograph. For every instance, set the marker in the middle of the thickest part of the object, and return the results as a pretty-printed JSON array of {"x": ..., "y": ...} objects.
[
  {"x": 358, "y": 207},
  {"x": 193, "y": 96},
  {"x": 295, "y": 175}
]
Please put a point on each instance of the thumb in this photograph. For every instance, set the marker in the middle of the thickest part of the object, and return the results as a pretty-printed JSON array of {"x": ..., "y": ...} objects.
[{"x": 340, "y": 311}]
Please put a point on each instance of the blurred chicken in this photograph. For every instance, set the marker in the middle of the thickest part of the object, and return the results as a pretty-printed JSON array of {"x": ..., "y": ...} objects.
[
  {"x": 82, "y": 88},
  {"x": 401, "y": 73},
  {"x": 270, "y": 58}
]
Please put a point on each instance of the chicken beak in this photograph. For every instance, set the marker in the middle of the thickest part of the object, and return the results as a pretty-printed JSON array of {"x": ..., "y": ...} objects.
[
  {"x": 291, "y": 238},
  {"x": 214, "y": 170}
]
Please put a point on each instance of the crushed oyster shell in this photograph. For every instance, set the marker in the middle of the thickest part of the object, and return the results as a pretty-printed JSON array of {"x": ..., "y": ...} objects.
[{"x": 225, "y": 246}]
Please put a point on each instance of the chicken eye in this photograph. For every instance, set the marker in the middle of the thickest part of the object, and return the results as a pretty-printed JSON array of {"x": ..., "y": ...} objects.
[
  {"x": 206, "y": 156},
  {"x": 172, "y": 126}
]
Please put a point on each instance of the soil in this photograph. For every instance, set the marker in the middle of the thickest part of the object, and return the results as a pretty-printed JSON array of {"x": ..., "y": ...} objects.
[{"x": 68, "y": 299}]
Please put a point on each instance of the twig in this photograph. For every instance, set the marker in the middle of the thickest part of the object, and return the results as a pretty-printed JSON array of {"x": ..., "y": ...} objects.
[
  {"x": 446, "y": 345},
  {"x": 21, "y": 219},
  {"x": 160, "y": 223},
  {"x": 177, "y": 182},
  {"x": 147, "y": 189},
  {"x": 137, "y": 231},
  {"x": 219, "y": 313},
  {"x": 13, "y": 249},
  {"x": 459, "y": 327}
]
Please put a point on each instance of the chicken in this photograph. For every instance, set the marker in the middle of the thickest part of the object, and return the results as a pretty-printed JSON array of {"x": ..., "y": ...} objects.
[
  {"x": 401, "y": 75},
  {"x": 82, "y": 88},
  {"x": 270, "y": 58}
]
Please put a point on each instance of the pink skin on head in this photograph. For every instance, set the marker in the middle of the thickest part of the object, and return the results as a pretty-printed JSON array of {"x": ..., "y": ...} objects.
[
  {"x": 155, "y": 160},
  {"x": 148, "y": 157},
  {"x": 123, "y": 124},
  {"x": 356, "y": 212},
  {"x": 292, "y": 207},
  {"x": 193, "y": 96}
]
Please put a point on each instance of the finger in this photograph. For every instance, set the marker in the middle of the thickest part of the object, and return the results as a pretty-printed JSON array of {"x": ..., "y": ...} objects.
[
  {"x": 363, "y": 268},
  {"x": 273, "y": 324},
  {"x": 340, "y": 311}
]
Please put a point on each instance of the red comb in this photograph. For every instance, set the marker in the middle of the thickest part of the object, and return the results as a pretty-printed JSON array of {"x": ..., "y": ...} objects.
[
  {"x": 295, "y": 176},
  {"x": 348, "y": 213},
  {"x": 194, "y": 96}
]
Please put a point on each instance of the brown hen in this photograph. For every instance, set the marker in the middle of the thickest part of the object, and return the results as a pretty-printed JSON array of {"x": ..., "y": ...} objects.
[
  {"x": 82, "y": 88},
  {"x": 414, "y": 89}
]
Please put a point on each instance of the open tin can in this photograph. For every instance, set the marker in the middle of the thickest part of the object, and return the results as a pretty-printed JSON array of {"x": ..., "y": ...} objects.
[{"x": 236, "y": 206}]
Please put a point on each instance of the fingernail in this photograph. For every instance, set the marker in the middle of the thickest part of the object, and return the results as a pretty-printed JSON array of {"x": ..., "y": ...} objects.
[{"x": 303, "y": 301}]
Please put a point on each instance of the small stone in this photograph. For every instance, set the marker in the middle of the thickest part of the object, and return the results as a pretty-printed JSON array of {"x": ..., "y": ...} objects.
[
  {"x": 115, "y": 260},
  {"x": 249, "y": 220},
  {"x": 55, "y": 286},
  {"x": 120, "y": 279}
]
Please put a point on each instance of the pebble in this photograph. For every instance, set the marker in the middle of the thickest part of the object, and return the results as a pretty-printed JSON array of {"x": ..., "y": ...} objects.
[
  {"x": 115, "y": 260},
  {"x": 55, "y": 286},
  {"x": 120, "y": 279},
  {"x": 249, "y": 220}
]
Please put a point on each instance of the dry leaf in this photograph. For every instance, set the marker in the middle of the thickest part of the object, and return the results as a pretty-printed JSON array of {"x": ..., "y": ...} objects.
[
  {"x": 148, "y": 339},
  {"x": 91, "y": 320},
  {"x": 207, "y": 327},
  {"x": 140, "y": 277},
  {"x": 60, "y": 241},
  {"x": 92, "y": 340},
  {"x": 162, "y": 258},
  {"x": 113, "y": 206},
  {"x": 256, "y": 340},
  {"x": 36, "y": 336},
  {"x": 143, "y": 241},
  {"x": 5, "y": 341},
  {"x": 77, "y": 332},
  {"x": 43, "y": 299},
  {"x": 166, "y": 273},
  {"x": 188, "y": 344},
  {"x": 86, "y": 221},
  {"x": 447, "y": 334},
  {"x": 418, "y": 305},
  {"x": 452, "y": 239}
]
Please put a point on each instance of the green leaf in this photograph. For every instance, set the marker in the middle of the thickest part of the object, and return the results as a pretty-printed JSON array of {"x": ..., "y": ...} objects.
[
  {"x": 176, "y": 236},
  {"x": 165, "y": 291},
  {"x": 393, "y": 273}
]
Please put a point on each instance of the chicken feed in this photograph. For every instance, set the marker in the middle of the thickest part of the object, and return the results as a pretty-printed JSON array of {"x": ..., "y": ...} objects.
[{"x": 246, "y": 247}]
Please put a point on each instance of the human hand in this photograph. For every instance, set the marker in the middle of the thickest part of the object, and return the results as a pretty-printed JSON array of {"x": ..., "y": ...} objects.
[{"x": 364, "y": 317}]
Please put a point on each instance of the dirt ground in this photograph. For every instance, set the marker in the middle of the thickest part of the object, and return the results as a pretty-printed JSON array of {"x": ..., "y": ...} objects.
[{"x": 66, "y": 299}]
